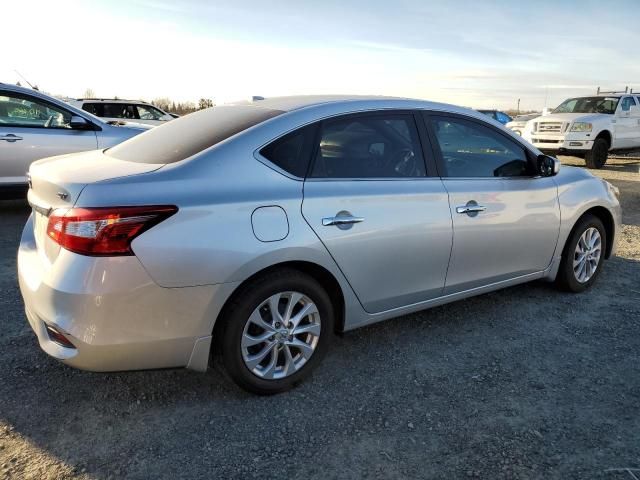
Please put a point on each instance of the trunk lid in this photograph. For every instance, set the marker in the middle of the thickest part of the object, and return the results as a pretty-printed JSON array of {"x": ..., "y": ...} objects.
[{"x": 57, "y": 182}]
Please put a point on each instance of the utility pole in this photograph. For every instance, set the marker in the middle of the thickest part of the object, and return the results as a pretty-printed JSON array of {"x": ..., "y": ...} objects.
[{"x": 518, "y": 109}]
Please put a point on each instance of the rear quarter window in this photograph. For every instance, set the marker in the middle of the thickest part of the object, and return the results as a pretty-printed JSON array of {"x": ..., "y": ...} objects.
[
  {"x": 292, "y": 152},
  {"x": 191, "y": 134}
]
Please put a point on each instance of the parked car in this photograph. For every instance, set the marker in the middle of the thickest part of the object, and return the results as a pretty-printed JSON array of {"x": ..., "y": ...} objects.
[
  {"x": 124, "y": 110},
  {"x": 497, "y": 115},
  {"x": 519, "y": 122},
  {"x": 589, "y": 127},
  {"x": 251, "y": 233},
  {"x": 34, "y": 125}
]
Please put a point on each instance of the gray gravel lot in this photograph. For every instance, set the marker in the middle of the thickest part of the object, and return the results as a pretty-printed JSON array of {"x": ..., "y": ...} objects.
[{"x": 523, "y": 383}]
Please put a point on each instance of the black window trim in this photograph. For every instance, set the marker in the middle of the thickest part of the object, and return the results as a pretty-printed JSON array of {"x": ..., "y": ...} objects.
[
  {"x": 35, "y": 99},
  {"x": 428, "y": 116}
]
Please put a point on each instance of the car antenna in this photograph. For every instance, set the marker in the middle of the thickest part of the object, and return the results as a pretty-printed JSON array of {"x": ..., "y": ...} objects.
[{"x": 35, "y": 87}]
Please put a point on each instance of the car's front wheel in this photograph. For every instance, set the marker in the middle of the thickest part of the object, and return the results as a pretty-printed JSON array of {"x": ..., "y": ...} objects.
[
  {"x": 597, "y": 156},
  {"x": 583, "y": 255},
  {"x": 275, "y": 331}
]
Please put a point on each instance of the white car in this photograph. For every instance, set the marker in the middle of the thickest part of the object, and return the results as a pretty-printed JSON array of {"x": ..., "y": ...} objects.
[
  {"x": 518, "y": 123},
  {"x": 589, "y": 127},
  {"x": 34, "y": 125},
  {"x": 123, "y": 110}
]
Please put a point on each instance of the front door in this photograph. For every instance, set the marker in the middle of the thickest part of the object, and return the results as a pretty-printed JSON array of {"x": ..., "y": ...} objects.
[
  {"x": 627, "y": 127},
  {"x": 505, "y": 218},
  {"x": 368, "y": 198},
  {"x": 31, "y": 129}
]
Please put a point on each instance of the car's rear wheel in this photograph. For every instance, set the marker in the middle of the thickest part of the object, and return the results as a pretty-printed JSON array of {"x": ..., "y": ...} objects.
[
  {"x": 275, "y": 331},
  {"x": 597, "y": 156},
  {"x": 583, "y": 255}
]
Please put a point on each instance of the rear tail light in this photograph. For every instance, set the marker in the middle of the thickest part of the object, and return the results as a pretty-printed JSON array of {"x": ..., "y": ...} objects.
[{"x": 103, "y": 231}]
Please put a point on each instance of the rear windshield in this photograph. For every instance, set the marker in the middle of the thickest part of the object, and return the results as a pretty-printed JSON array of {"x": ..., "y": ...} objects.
[{"x": 191, "y": 134}]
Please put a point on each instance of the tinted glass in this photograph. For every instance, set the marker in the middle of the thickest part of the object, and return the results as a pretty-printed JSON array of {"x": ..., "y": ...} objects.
[
  {"x": 626, "y": 103},
  {"x": 119, "y": 110},
  {"x": 191, "y": 134},
  {"x": 94, "y": 108},
  {"x": 292, "y": 152},
  {"x": 470, "y": 149},
  {"x": 24, "y": 111},
  {"x": 374, "y": 146}
]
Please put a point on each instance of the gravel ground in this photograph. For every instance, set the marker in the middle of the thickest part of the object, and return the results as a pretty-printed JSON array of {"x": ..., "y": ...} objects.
[{"x": 522, "y": 383}]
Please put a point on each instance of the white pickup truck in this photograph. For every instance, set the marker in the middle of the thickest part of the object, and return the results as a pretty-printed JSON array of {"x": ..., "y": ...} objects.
[{"x": 589, "y": 127}]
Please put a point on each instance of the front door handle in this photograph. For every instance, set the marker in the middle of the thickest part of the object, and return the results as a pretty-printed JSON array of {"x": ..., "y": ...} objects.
[
  {"x": 10, "y": 137},
  {"x": 471, "y": 209},
  {"x": 341, "y": 219}
]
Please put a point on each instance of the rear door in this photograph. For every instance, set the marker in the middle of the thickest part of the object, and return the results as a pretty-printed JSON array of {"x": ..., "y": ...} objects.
[
  {"x": 505, "y": 219},
  {"x": 369, "y": 199},
  {"x": 31, "y": 129}
]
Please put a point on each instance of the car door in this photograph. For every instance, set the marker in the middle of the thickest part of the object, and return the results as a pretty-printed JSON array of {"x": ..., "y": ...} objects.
[
  {"x": 32, "y": 128},
  {"x": 384, "y": 221},
  {"x": 505, "y": 218},
  {"x": 627, "y": 126}
]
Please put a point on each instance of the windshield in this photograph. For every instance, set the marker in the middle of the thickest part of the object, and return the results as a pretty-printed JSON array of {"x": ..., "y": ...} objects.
[
  {"x": 588, "y": 105},
  {"x": 191, "y": 134}
]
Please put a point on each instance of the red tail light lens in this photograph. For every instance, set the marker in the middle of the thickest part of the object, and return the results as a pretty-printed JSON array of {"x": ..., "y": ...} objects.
[{"x": 103, "y": 231}]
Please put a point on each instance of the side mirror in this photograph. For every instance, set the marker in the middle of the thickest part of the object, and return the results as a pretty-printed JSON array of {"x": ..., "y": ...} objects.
[
  {"x": 79, "y": 123},
  {"x": 548, "y": 166}
]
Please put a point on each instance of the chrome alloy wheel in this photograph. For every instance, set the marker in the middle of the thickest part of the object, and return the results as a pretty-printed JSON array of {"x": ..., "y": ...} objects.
[
  {"x": 587, "y": 255},
  {"x": 280, "y": 335}
]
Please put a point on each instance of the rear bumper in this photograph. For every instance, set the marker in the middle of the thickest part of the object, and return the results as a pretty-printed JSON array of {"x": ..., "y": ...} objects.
[{"x": 116, "y": 317}]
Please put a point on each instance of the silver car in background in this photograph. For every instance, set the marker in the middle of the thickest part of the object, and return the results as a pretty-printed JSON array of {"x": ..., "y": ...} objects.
[
  {"x": 34, "y": 125},
  {"x": 248, "y": 234}
]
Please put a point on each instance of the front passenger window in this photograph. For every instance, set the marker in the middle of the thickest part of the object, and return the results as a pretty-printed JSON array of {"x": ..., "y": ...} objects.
[
  {"x": 369, "y": 146},
  {"x": 470, "y": 149}
]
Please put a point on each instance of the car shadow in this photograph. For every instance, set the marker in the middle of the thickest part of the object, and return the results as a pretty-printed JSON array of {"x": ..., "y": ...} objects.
[{"x": 149, "y": 423}]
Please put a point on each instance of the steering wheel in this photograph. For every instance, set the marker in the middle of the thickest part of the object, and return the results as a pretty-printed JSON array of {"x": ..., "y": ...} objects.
[{"x": 404, "y": 163}]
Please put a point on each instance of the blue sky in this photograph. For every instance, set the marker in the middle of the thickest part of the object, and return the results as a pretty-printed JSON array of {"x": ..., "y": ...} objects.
[{"x": 473, "y": 53}]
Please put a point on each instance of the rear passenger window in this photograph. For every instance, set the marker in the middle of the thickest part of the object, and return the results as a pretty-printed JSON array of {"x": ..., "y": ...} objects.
[
  {"x": 371, "y": 146},
  {"x": 292, "y": 152},
  {"x": 93, "y": 108},
  {"x": 470, "y": 149}
]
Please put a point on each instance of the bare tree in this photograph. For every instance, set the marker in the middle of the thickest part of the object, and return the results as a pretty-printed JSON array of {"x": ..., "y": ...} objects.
[
  {"x": 205, "y": 103},
  {"x": 89, "y": 93}
]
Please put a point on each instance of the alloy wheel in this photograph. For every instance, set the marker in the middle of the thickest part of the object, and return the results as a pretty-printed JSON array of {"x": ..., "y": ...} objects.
[
  {"x": 281, "y": 335},
  {"x": 587, "y": 255}
]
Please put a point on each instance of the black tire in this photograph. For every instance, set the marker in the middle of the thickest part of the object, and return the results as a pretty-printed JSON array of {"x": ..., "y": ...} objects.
[
  {"x": 566, "y": 278},
  {"x": 227, "y": 348},
  {"x": 597, "y": 156}
]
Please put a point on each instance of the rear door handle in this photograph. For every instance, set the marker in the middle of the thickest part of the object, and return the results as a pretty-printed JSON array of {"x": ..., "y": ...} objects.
[
  {"x": 341, "y": 220},
  {"x": 10, "y": 137},
  {"x": 471, "y": 209}
]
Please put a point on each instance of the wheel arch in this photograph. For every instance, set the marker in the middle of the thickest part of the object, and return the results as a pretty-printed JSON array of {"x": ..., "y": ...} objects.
[
  {"x": 606, "y": 217},
  {"x": 606, "y": 134},
  {"x": 323, "y": 276}
]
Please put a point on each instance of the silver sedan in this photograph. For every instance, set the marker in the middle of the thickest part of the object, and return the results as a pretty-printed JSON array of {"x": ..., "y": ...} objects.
[{"x": 248, "y": 234}]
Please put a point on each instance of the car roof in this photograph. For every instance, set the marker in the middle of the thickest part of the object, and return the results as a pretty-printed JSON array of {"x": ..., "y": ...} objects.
[
  {"x": 111, "y": 100},
  {"x": 348, "y": 102}
]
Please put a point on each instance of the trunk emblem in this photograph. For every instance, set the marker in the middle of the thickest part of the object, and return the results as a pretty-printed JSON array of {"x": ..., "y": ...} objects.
[{"x": 62, "y": 195}]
